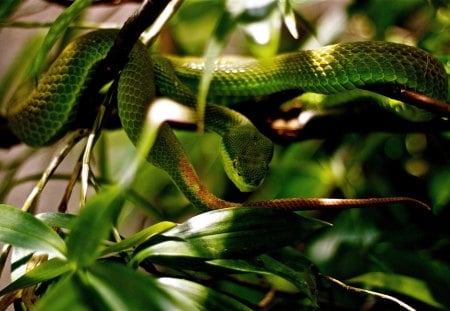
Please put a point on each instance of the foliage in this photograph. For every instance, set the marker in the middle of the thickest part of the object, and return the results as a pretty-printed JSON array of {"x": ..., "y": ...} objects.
[{"x": 176, "y": 258}]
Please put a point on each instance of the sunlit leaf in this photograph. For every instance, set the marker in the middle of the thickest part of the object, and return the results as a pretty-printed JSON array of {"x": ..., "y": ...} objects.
[
  {"x": 25, "y": 230},
  {"x": 289, "y": 17},
  {"x": 139, "y": 237},
  {"x": 199, "y": 297},
  {"x": 230, "y": 233}
]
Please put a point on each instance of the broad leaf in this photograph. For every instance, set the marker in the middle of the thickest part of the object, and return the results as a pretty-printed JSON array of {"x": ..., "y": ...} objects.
[
  {"x": 58, "y": 220},
  {"x": 230, "y": 233},
  {"x": 122, "y": 288},
  {"x": 25, "y": 230},
  {"x": 199, "y": 297},
  {"x": 70, "y": 293}
]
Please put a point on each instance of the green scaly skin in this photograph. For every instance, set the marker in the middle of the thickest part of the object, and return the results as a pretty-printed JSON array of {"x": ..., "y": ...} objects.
[
  {"x": 328, "y": 70},
  {"x": 48, "y": 112}
]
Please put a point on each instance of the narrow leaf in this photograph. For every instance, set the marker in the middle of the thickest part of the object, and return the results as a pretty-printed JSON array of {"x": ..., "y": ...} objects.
[
  {"x": 402, "y": 284},
  {"x": 138, "y": 238},
  {"x": 92, "y": 226},
  {"x": 58, "y": 27},
  {"x": 265, "y": 264},
  {"x": 224, "y": 28},
  {"x": 45, "y": 271},
  {"x": 25, "y": 230},
  {"x": 7, "y": 8}
]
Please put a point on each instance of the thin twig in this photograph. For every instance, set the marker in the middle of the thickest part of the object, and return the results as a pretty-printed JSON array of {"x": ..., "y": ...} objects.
[
  {"x": 62, "y": 208},
  {"x": 369, "y": 292},
  {"x": 149, "y": 36},
  {"x": 36, "y": 191},
  {"x": 85, "y": 164},
  {"x": 57, "y": 159}
]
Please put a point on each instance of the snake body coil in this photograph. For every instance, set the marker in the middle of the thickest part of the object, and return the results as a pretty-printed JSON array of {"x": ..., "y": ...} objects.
[
  {"x": 48, "y": 112},
  {"x": 327, "y": 70}
]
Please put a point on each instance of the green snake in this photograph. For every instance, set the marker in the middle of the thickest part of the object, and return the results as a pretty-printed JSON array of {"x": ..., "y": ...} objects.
[{"x": 50, "y": 110}]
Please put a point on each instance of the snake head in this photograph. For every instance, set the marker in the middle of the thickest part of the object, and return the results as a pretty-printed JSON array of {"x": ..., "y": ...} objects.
[{"x": 246, "y": 155}]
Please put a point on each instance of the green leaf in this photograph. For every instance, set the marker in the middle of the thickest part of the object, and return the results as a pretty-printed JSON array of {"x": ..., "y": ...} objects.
[
  {"x": 402, "y": 284},
  {"x": 45, "y": 271},
  {"x": 440, "y": 189},
  {"x": 25, "y": 230},
  {"x": 265, "y": 264},
  {"x": 92, "y": 226},
  {"x": 122, "y": 288},
  {"x": 199, "y": 297},
  {"x": 12, "y": 85},
  {"x": 58, "y": 220},
  {"x": 58, "y": 27},
  {"x": 70, "y": 293},
  {"x": 231, "y": 233},
  {"x": 7, "y": 8},
  {"x": 138, "y": 238},
  {"x": 225, "y": 26}
]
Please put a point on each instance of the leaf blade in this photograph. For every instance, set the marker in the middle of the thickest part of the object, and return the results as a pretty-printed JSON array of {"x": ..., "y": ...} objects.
[{"x": 37, "y": 236}]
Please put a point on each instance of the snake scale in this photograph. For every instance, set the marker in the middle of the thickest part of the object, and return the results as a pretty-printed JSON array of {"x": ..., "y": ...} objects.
[{"x": 49, "y": 111}]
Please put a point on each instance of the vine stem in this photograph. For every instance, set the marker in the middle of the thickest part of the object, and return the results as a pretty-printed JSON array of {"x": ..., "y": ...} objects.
[{"x": 369, "y": 292}]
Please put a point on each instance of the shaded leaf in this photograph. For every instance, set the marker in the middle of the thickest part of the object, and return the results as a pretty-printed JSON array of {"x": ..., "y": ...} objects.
[
  {"x": 265, "y": 264},
  {"x": 70, "y": 293},
  {"x": 45, "y": 271},
  {"x": 93, "y": 225},
  {"x": 59, "y": 220},
  {"x": 402, "y": 284},
  {"x": 7, "y": 8},
  {"x": 122, "y": 288}
]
